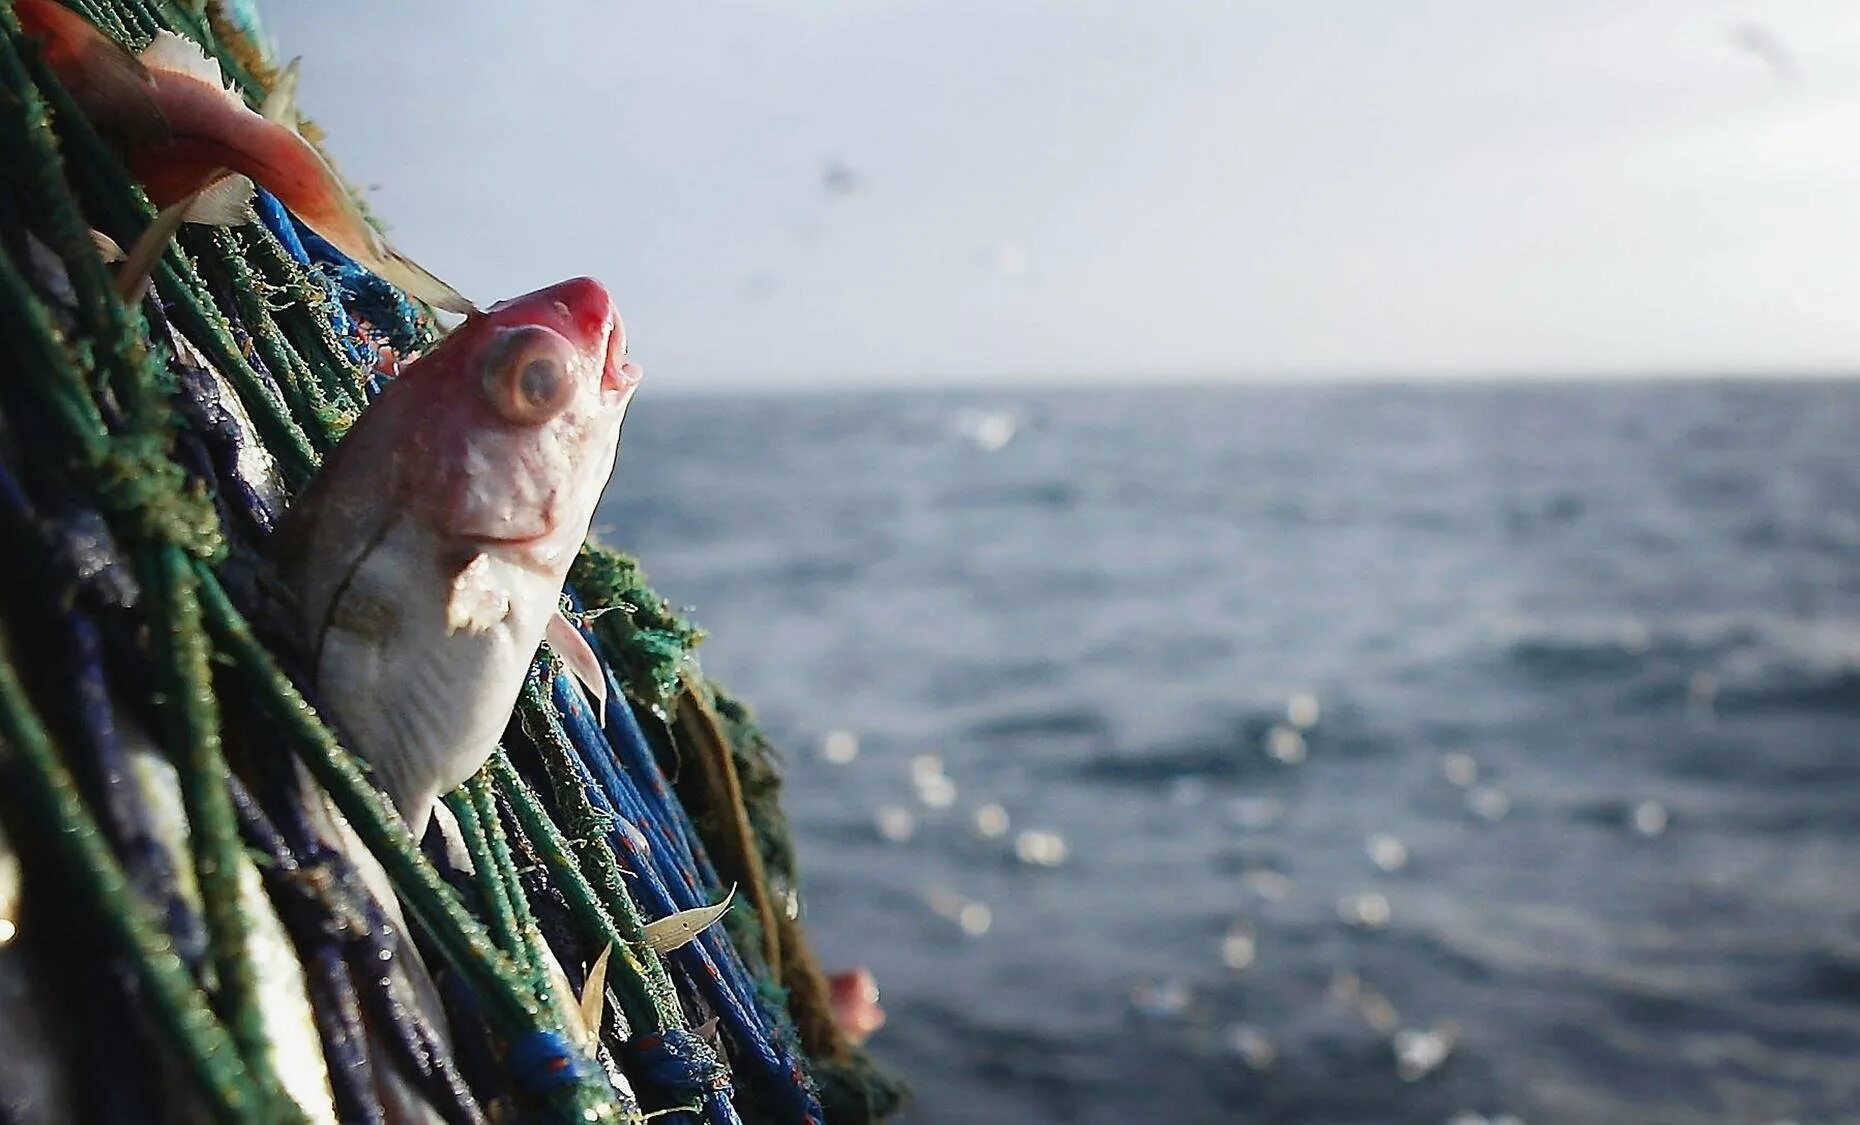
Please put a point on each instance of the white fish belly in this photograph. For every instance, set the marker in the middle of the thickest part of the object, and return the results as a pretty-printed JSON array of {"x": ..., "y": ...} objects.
[{"x": 422, "y": 698}]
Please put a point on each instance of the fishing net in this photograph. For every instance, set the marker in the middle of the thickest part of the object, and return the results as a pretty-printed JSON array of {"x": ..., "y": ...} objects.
[{"x": 177, "y": 939}]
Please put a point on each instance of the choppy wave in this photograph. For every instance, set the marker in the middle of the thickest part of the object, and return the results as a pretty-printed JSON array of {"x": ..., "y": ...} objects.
[
  {"x": 1315, "y": 755},
  {"x": 1727, "y": 664}
]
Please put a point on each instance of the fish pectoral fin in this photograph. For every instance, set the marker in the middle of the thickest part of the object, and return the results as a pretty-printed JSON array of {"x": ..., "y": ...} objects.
[
  {"x": 594, "y": 996},
  {"x": 477, "y": 602},
  {"x": 226, "y": 202},
  {"x": 132, "y": 277},
  {"x": 572, "y": 647},
  {"x": 280, "y": 103},
  {"x": 674, "y": 930}
]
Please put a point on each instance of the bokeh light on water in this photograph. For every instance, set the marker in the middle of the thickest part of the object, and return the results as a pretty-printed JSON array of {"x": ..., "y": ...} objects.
[{"x": 1335, "y": 755}]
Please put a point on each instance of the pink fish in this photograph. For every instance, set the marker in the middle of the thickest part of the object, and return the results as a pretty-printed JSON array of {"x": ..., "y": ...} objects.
[
  {"x": 112, "y": 86},
  {"x": 428, "y": 555},
  {"x": 193, "y": 143},
  {"x": 855, "y": 1003}
]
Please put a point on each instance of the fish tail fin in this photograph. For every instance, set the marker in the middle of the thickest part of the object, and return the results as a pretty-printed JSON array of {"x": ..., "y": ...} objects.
[
  {"x": 226, "y": 202},
  {"x": 407, "y": 275},
  {"x": 132, "y": 278}
]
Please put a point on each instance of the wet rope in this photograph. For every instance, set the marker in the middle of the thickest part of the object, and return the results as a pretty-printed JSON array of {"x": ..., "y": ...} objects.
[
  {"x": 676, "y": 876},
  {"x": 176, "y": 592},
  {"x": 296, "y": 332}
]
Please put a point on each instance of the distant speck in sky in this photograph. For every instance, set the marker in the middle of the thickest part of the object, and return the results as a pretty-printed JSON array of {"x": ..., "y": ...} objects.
[
  {"x": 836, "y": 178},
  {"x": 1762, "y": 44},
  {"x": 757, "y": 287},
  {"x": 1012, "y": 260}
]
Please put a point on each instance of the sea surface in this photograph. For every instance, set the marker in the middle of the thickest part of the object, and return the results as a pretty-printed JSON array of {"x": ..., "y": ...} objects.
[{"x": 1316, "y": 754}]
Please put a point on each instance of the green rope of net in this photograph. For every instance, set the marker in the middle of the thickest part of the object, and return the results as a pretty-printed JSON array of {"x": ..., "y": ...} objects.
[{"x": 96, "y": 379}]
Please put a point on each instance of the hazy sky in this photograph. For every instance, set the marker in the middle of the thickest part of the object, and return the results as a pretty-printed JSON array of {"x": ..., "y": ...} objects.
[{"x": 898, "y": 192}]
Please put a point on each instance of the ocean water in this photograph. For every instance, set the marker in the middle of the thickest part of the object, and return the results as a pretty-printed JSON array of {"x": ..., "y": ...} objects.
[{"x": 1364, "y": 754}]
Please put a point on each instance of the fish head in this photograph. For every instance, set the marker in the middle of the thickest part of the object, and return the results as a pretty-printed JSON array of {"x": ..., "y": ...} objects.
[{"x": 519, "y": 410}]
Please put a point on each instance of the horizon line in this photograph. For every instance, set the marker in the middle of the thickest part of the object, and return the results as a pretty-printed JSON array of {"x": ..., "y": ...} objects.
[{"x": 1176, "y": 380}]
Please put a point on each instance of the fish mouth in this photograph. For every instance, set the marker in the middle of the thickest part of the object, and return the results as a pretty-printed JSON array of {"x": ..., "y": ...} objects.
[{"x": 618, "y": 376}]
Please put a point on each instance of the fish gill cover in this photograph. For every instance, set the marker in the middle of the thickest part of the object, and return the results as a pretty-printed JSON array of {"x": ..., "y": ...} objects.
[{"x": 174, "y": 916}]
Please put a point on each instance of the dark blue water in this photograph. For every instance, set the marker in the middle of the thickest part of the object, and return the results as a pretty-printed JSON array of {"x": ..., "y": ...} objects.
[{"x": 1624, "y": 619}]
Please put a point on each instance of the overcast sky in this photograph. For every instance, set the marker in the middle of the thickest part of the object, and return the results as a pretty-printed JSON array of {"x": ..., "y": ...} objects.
[{"x": 893, "y": 192}]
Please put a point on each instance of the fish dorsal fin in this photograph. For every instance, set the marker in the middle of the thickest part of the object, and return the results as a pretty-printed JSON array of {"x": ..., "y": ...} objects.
[
  {"x": 281, "y": 103},
  {"x": 227, "y": 202},
  {"x": 177, "y": 55},
  {"x": 172, "y": 54}
]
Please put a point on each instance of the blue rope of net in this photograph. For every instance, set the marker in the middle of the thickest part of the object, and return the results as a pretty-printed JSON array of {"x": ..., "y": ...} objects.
[
  {"x": 359, "y": 349},
  {"x": 623, "y": 780},
  {"x": 365, "y": 296},
  {"x": 679, "y": 1067}
]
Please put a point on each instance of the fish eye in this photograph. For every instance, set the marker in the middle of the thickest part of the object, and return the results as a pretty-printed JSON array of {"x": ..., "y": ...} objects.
[
  {"x": 527, "y": 378},
  {"x": 540, "y": 382}
]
